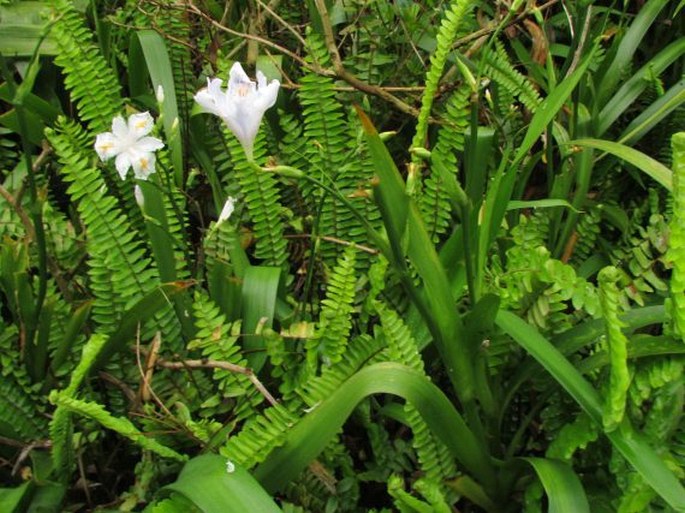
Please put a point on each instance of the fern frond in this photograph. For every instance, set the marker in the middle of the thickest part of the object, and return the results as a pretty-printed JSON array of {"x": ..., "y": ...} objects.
[
  {"x": 676, "y": 252},
  {"x": 122, "y": 426},
  {"x": 91, "y": 82},
  {"x": 447, "y": 33},
  {"x": 20, "y": 409},
  {"x": 335, "y": 321},
  {"x": 434, "y": 457},
  {"x": 217, "y": 342},
  {"x": 293, "y": 145},
  {"x": 619, "y": 378},
  {"x": 261, "y": 195},
  {"x": 573, "y": 436},
  {"x": 515, "y": 85},
  {"x": 587, "y": 234},
  {"x": 172, "y": 20},
  {"x": 434, "y": 202},
  {"x": 261, "y": 434},
  {"x": 329, "y": 148}
]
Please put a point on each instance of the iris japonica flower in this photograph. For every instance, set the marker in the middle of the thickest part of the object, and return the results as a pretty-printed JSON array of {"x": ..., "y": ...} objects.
[
  {"x": 129, "y": 143},
  {"x": 242, "y": 105}
]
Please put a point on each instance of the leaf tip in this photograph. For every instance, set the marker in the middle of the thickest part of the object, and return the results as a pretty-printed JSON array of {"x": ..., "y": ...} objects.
[{"x": 367, "y": 125}]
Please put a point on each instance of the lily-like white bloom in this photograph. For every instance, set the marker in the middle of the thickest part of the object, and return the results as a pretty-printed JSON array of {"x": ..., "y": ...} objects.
[
  {"x": 130, "y": 145},
  {"x": 228, "y": 209},
  {"x": 242, "y": 105}
]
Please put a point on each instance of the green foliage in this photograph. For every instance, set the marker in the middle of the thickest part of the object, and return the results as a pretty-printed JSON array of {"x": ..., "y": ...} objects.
[
  {"x": 677, "y": 238},
  {"x": 122, "y": 426},
  {"x": 120, "y": 273},
  {"x": 619, "y": 379},
  {"x": 434, "y": 458},
  {"x": 330, "y": 155},
  {"x": 333, "y": 331},
  {"x": 218, "y": 342},
  {"x": 447, "y": 33},
  {"x": 434, "y": 201},
  {"x": 427, "y": 322},
  {"x": 261, "y": 195},
  {"x": 92, "y": 83},
  {"x": 540, "y": 286}
]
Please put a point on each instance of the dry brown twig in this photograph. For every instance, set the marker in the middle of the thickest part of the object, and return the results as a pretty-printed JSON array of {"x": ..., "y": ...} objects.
[{"x": 215, "y": 364}]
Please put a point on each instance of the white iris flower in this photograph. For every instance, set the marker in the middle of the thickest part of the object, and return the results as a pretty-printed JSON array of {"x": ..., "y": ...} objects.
[
  {"x": 130, "y": 145},
  {"x": 242, "y": 105}
]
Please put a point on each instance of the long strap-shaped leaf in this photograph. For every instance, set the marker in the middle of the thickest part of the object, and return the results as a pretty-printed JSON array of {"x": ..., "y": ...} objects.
[
  {"x": 309, "y": 437},
  {"x": 409, "y": 239},
  {"x": 149, "y": 45},
  {"x": 629, "y": 443},
  {"x": 651, "y": 167},
  {"x": 216, "y": 485},
  {"x": 564, "y": 490}
]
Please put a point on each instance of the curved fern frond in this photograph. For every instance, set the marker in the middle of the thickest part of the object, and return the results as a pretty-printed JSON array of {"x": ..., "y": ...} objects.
[
  {"x": 91, "y": 82},
  {"x": 261, "y": 434},
  {"x": 619, "y": 378},
  {"x": 513, "y": 84},
  {"x": 573, "y": 436},
  {"x": 122, "y": 426}
]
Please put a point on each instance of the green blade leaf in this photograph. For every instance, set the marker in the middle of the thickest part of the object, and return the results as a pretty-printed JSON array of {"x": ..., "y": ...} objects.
[
  {"x": 309, "y": 437},
  {"x": 216, "y": 485},
  {"x": 390, "y": 192},
  {"x": 408, "y": 238},
  {"x": 551, "y": 105},
  {"x": 654, "y": 114},
  {"x": 159, "y": 67},
  {"x": 629, "y": 443},
  {"x": 259, "y": 294},
  {"x": 565, "y": 493},
  {"x": 543, "y": 203},
  {"x": 634, "y": 86},
  {"x": 651, "y": 167},
  {"x": 627, "y": 46}
]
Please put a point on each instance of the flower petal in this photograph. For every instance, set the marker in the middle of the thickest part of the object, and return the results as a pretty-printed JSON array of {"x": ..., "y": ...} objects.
[
  {"x": 122, "y": 163},
  {"x": 266, "y": 97},
  {"x": 236, "y": 77},
  {"x": 106, "y": 146},
  {"x": 228, "y": 209},
  {"x": 149, "y": 144},
  {"x": 140, "y": 124},
  {"x": 261, "y": 81},
  {"x": 119, "y": 128},
  {"x": 143, "y": 164},
  {"x": 211, "y": 98}
]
